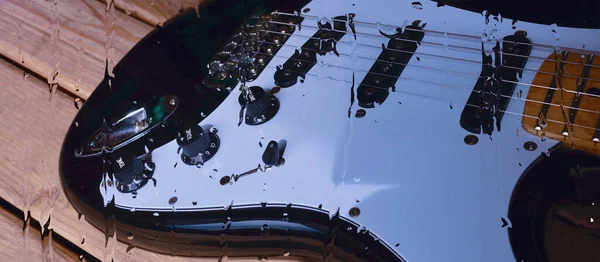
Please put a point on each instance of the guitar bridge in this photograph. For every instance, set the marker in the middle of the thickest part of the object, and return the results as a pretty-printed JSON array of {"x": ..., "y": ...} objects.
[{"x": 250, "y": 49}]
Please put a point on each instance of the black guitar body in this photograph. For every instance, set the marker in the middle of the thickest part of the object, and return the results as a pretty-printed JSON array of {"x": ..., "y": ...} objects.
[{"x": 169, "y": 61}]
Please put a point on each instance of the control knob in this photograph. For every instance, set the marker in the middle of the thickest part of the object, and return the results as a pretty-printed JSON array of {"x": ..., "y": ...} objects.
[
  {"x": 196, "y": 145},
  {"x": 261, "y": 106},
  {"x": 130, "y": 172}
]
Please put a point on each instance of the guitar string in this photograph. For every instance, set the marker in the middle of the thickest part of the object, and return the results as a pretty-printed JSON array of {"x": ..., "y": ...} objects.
[
  {"x": 468, "y": 49},
  {"x": 479, "y": 40},
  {"x": 440, "y": 99},
  {"x": 375, "y": 25},
  {"x": 455, "y": 87},
  {"x": 419, "y": 66},
  {"x": 453, "y": 47}
]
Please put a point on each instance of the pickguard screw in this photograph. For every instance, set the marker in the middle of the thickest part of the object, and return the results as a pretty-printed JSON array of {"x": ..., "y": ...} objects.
[
  {"x": 225, "y": 180},
  {"x": 172, "y": 200},
  {"x": 530, "y": 146},
  {"x": 360, "y": 113},
  {"x": 172, "y": 101},
  {"x": 354, "y": 212},
  {"x": 471, "y": 140}
]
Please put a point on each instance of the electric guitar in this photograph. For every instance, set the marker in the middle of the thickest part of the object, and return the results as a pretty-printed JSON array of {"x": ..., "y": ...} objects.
[{"x": 347, "y": 130}]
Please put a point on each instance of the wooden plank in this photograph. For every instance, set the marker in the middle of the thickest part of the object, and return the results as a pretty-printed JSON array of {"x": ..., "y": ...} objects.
[
  {"x": 32, "y": 128},
  {"x": 151, "y": 12},
  {"x": 76, "y": 46},
  {"x": 17, "y": 244}
]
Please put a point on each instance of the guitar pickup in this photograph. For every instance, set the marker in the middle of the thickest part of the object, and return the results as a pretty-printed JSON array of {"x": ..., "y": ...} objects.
[
  {"x": 322, "y": 42},
  {"x": 496, "y": 84},
  {"x": 388, "y": 67}
]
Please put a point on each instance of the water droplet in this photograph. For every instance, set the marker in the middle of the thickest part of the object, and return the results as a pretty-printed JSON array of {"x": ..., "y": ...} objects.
[
  {"x": 546, "y": 153},
  {"x": 285, "y": 217},
  {"x": 417, "y": 5},
  {"x": 77, "y": 102}
]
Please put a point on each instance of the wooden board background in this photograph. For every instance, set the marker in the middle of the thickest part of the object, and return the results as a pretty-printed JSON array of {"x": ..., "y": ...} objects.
[{"x": 65, "y": 43}]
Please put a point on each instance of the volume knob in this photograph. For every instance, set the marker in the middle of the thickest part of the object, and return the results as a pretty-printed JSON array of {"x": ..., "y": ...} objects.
[
  {"x": 197, "y": 145},
  {"x": 130, "y": 172},
  {"x": 262, "y": 106}
]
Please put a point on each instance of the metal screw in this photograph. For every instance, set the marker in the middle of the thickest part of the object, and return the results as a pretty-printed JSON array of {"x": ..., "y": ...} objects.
[
  {"x": 172, "y": 102},
  {"x": 530, "y": 146},
  {"x": 225, "y": 180},
  {"x": 306, "y": 10},
  {"x": 172, "y": 200},
  {"x": 360, "y": 113},
  {"x": 354, "y": 212},
  {"x": 281, "y": 162},
  {"x": 471, "y": 140},
  {"x": 275, "y": 90}
]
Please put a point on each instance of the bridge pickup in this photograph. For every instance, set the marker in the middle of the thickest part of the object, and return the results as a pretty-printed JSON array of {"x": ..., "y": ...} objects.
[
  {"x": 389, "y": 65},
  {"x": 496, "y": 84},
  {"x": 321, "y": 43},
  {"x": 250, "y": 49}
]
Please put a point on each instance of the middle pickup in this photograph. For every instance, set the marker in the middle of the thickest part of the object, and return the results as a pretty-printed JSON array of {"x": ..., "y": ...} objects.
[
  {"x": 321, "y": 43},
  {"x": 386, "y": 70}
]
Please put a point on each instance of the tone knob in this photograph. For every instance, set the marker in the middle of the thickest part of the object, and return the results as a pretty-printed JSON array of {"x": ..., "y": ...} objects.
[
  {"x": 197, "y": 146},
  {"x": 261, "y": 106},
  {"x": 130, "y": 173}
]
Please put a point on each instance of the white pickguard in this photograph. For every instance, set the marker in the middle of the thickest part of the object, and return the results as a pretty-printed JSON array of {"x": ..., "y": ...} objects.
[{"x": 405, "y": 164}]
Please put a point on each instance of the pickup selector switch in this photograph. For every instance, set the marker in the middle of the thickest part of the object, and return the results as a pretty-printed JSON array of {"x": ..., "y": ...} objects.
[
  {"x": 260, "y": 105},
  {"x": 196, "y": 145}
]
